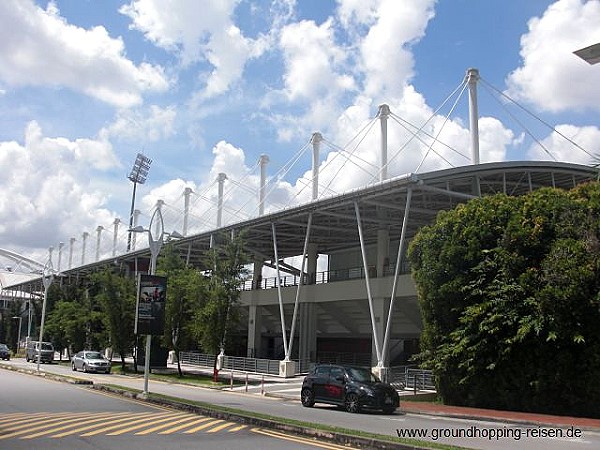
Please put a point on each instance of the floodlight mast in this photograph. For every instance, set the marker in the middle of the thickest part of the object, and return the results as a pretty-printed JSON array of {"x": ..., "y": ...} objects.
[{"x": 138, "y": 174}]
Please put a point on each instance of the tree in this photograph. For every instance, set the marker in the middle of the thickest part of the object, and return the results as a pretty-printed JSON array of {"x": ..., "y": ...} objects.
[
  {"x": 217, "y": 314},
  {"x": 185, "y": 288},
  {"x": 116, "y": 295},
  {"x": 509, "y": 292}
]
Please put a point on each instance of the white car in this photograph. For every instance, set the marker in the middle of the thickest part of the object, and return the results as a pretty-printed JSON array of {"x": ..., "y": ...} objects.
[{"x": 90, "y": 361}]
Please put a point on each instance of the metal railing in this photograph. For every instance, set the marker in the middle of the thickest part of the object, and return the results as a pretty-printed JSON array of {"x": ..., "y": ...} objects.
[
  {"x": 242, "y": 364},
  {"x": 411, "y": 378}
]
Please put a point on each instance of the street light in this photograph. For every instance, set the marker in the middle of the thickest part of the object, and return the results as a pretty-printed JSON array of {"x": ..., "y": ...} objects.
[
  {"x": 19, "y": 332},
  {"x": 589, "y": 54},
  {"x": 156, "y": 240},
  {"x": 138, "y": 174}
]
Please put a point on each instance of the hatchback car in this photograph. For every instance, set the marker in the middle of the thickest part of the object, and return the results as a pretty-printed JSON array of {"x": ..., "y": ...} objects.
[
  {"x": 4, "y": 352},
  {"x": 351, "y": 388},
  {"x": 90, "y": 361}
]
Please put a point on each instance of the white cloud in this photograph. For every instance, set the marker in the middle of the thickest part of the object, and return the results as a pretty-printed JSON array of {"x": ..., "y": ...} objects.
[
  {"x": 145, "y": 125},
  {"x": 557, "y": 146},
  {"x": 47, "y": 193},
  {"x": 196, "y": 31},
  {"x": 551, "y": 77},
  {"x": 38, "y": 47}
]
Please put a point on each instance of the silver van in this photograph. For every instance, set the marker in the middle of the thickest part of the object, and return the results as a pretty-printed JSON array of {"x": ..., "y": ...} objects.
[{"x": 46, "y": 355}]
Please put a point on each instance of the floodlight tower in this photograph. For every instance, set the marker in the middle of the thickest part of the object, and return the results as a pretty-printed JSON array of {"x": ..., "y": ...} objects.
[{"x": 138, "y": 175}]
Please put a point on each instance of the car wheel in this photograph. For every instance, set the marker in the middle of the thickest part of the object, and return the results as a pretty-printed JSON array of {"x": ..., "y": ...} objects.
[
  {"x": 307, "y": 397},
  {"x": 73, "y": 368},
  {"x": 351, "y": 403}
]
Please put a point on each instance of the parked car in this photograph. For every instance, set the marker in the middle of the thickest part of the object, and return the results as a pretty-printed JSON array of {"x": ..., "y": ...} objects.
[
  {"x": 4, "y": 352},
  {"x": 46, "y": 353},
  {"x": 90, "y": 361},
  {"x": 351, "y": 388}
]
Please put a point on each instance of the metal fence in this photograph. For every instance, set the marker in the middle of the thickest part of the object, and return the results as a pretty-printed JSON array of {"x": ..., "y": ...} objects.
[
  {"x": 411, "y": 378},
  {"x": 241, "y": 364}
]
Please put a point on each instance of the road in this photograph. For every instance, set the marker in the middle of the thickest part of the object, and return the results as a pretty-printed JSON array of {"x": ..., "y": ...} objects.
[
  {"x": 485, "y": 435},
  {"x": 37, "y": 413}
]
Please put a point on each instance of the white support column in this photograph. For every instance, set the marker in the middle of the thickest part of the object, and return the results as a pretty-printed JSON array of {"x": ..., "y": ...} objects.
[
  {"x": 298, "y": 288},
  {"x": 257, "y": 273},
  {"x": 115, "y": 235},
  {"x": 98, "y": 241},
  {"x": 401, "y": 245},
  {"x": 384, "y": 112},
  {"x": 83, "y": 245},
  {"x": 368, "y": 285},
  {"x": 264, "y": 160},
  {"x": 316, "y": 144},
  {"x": 221, "y": 180},
  {"x": 472, "y": 79},
  {"x": 186, "y": 209},
  {"x": 136, "y": 216},
  {"x": 158, "y": 226},
  {"x": 50, "y": 251},
  {"x": 279, "y": 295},
  {"x": 71, "y": 242},
  {"x": 60, "y": 250}
]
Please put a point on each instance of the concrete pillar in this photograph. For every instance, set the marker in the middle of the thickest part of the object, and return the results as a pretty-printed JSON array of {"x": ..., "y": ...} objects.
[
  {"x": 472, "y": 79},
  {"x": 384, "y": 112},
  {"x": 316, "y": 143},
  {"x": 257, "y": 274},
  {"x": 60, "y": 250},
  {"x": 221, "y": 180},
  {"x": 307, "y": 333},
  {"x": 186, "y": 209},
  {"x": 136, "y": 216},
  {"x": 83, "y": 245},
  {"x": 311, "y": 264},
  {"x": 71, "y": 242},
  {"x": 264, "y": 160},
  {"x": 254, "y": 331},
  {"x": 98, "y": 241},
  {"x": 115, "y": 235}
]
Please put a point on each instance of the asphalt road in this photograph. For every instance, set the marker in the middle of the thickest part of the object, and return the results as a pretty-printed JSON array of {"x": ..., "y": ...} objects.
[
  {"x": 38, "y": 413},
  {"x": 474, "y": 433}
]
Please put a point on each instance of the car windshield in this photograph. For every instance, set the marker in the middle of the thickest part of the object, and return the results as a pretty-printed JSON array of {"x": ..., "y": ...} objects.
[
  {"x": 46, "y": 346},
  {"x": 362, "y": 375},
  {"x": 3, "y": 347},
  {"x": 93, "y": 355}
]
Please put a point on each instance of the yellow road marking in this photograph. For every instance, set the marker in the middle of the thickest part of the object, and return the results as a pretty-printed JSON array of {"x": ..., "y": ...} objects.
[
  {"x": 238, "y": 428},
  {"x": 220, "y": 427},
  {"x": 185, "y": 425},
  {"x": 96, "y": 425},
  {"x": 142, "y": 425},
  {"x": 69, "y": 424},
  {"x": 291, "y": 438},
  {"x": 114, "y": 427},
  {"x": 25, "y": 428},
  {"x": 165, "y": 425},
  {"x": 202, "y": 427}
]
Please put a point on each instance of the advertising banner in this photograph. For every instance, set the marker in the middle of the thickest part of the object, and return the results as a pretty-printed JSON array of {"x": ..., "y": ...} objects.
[{"x": 150, "y": 310}]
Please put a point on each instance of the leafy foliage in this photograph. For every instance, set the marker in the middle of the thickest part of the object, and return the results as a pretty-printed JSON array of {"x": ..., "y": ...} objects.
[{"x": 509, "y": 292}]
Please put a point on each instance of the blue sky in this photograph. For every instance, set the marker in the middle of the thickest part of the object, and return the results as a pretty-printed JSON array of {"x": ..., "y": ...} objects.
[{"x": 204, "y": 87}]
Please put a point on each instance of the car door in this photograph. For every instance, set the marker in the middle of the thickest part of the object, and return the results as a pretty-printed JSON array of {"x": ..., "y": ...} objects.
[
  {"x": 319, "y": 382},
  {"x": 78, "y": 360},
  {"x": 336, "y": 384}
]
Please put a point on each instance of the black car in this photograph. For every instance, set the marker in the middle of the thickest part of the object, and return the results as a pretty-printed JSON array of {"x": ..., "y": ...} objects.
[
  {"x": 4, "y": 352},
  {"x": 352, "y": 388}
]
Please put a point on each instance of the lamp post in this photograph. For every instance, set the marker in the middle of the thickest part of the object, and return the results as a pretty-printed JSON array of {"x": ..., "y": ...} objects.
[
  {"x": 47, "y": 278},
  {"x": 18, "y": 332}
]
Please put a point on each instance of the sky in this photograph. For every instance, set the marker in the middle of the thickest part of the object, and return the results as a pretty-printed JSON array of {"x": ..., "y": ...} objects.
[{"x": 207, "y": 87}]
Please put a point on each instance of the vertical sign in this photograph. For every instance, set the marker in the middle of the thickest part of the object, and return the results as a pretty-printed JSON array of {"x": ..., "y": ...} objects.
[{"x": 150, "y": 310}]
